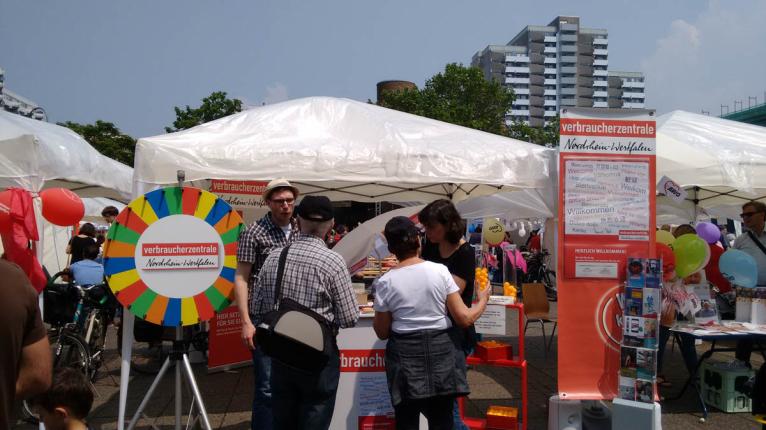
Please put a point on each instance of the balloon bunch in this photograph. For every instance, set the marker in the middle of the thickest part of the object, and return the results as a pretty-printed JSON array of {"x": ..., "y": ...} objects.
[
  {"x": 691, "y": 253},
  {"x": 482, "y": 278}
]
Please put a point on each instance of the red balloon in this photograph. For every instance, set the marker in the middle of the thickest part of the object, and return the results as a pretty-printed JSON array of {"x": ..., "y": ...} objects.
[
  {"x": 668, "y": 261},
  {"x": 61, "y": 206},
  {"x": 5, "y": 211},
  {"x": 713, "y": 273}
]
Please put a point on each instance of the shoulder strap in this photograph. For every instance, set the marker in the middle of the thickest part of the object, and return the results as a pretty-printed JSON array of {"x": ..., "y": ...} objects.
[
  {"x": 757, "y": 242},
  {"x": 280, "y": 273}
]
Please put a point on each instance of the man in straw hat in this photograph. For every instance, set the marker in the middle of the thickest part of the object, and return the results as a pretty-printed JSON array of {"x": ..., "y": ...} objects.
[{"x": 275, "y": 230}]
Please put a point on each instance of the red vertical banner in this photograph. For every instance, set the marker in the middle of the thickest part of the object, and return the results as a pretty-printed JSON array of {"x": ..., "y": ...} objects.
[{"x": 606, "y": 214}]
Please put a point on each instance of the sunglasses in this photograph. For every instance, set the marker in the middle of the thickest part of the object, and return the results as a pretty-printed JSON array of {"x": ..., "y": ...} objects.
[
  {"x": 280, "y": 202},
  {"x": 748, "y": 214}
]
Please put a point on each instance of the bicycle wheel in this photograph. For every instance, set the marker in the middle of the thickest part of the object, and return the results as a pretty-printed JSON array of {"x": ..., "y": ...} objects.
[
  {"x": 95, "y": 337},
  {"x": 72, "y": 351},
  {"x": 549, "y": 280}
]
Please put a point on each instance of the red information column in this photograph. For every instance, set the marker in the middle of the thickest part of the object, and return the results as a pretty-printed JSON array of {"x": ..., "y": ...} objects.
[{"x": 606, "y": 214}]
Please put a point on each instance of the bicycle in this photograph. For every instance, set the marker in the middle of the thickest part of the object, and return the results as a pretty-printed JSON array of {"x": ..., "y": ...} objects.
[
  {"x": 538, "y": 271},
  {"x": 77, "y": 332}
]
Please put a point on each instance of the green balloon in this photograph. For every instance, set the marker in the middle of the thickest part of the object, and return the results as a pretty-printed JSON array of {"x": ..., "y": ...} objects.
[{"x": 692, "y": 254}]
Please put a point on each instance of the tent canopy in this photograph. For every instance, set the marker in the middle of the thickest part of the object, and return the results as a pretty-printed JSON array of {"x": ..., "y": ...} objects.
[
  {"x": 35, "y": 155},
  {"x": 720, "y": 162},
  {"x": 347, "y": 150}
]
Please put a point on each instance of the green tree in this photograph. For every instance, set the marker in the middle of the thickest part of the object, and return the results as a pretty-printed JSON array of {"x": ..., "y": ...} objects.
[
  {"x": 107, "y": 139},
  {"x": 547, "y": 135},
  {"x": 460, "y": 95},
  {"x": 214, "y": 106}
]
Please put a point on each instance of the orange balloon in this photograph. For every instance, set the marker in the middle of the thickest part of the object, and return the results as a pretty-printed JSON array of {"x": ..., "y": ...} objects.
[{"x": 61, "y": 206}]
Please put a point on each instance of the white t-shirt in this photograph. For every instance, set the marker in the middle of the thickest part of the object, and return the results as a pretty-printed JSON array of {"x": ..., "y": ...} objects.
[
  {"x": 287, "y": 229},
  {"x": 416, "y": 296}
]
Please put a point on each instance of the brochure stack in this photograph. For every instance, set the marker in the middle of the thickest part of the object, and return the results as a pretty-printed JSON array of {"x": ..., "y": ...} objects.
[{"x": 641, "y": 312}]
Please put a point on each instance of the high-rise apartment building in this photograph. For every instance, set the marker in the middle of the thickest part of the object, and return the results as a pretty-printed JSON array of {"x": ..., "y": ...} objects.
[{"x": 560, "y": 64}]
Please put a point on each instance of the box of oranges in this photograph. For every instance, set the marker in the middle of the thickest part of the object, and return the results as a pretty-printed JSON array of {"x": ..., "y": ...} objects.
[
  {"x": 490, "y": 350},
  {"x": 502, "y": 417}
]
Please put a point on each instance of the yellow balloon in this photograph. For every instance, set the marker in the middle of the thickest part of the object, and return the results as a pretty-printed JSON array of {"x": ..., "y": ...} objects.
[
  {"x": 665, "y": 237},
  {"x": 494, "y": 231}
]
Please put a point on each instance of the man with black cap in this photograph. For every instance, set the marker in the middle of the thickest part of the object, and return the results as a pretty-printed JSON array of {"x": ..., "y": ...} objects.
[
  {"x": 272, "y": 232},
  {"x": 317, "y": 278}
]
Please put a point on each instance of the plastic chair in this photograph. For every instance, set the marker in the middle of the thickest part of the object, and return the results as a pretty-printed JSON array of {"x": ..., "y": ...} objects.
[{"x": 537, "y": 309}]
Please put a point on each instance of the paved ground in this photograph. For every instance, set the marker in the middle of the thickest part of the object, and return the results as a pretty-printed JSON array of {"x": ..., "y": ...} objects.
[{"x": 228, "y": 395}]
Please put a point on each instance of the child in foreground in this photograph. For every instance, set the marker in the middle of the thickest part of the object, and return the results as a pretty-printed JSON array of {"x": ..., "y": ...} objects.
[{"x": 67, "y": 404}]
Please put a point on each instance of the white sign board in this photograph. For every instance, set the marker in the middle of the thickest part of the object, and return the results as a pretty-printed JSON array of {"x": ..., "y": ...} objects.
[
  {"x": 671, "y": 189},
  {"x": 492, "y": 321}
]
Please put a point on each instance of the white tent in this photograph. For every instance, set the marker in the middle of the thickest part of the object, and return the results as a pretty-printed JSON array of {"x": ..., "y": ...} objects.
[
  {"x": 35, "y": 155},
  {"x": 721, "y": 164},
  {"x": 346, "y": 150}
]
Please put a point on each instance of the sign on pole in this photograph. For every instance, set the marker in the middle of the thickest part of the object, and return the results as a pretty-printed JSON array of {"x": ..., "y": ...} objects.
[
  {"x": 171, "y": 254},
  {"x": 607, "y": 213}
]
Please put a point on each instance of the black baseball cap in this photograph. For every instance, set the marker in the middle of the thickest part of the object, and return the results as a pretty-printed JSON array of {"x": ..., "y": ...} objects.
[
  {"x": 400, "y": 227},
  {"x": 315, "y": 208}
]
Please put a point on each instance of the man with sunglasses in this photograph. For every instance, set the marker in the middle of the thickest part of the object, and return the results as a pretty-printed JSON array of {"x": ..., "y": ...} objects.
[
  {"x": 275, "y": 230},
  {"x": 753, "y": 242}
]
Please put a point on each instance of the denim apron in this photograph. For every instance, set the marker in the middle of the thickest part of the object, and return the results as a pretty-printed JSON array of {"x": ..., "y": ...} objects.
[{"x": 425, "y": 364}]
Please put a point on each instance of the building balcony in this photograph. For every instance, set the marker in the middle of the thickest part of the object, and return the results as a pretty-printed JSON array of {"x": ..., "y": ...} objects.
[
  {"x": 603, "y": 41},
  {"x": 585, "y": 92},
  {"x": 550, "y": 50},
  {"x": 627, "y": 84},
  {"x": 535, "y": 91},
  {"x": 550, "y": 113},
  {"x": 549, "y": 103},
  {"x": 536, "y": 80},
  {"x": 603, "y": 94},
  {"x": 568, "y": 91},
  {"x": 550, "y": 71},
  {"x": 521, "y": 102},
  {"x": 569, "y": 69},
  {"x": 568, "y": 81},
  {"x": 550, "y": 93},
  {"x": 517, "y": 58},
  {"x": 603, "y": 84},
  {"x": 568, "y": 48},
  {"x": 519, "y": 112},
  {"x": 633, "y": 105},
  {"x": 568, "y": 59},
  {"x": 550, "y": 39},
  {"x": 600, "y": 51},
  {"x": 567, "y": 37},
  {"x": 600, "y": 104},
  {"x": 517, "y": 80},
  {"x": 516, "y": 69},
  {"x": 567, "y": 101},
  {"x": 597, "y": 72},
  {"x": 550, "y": 60},
  {"x": 600, "y": 62},
  {"x": 521, "y": 91}
]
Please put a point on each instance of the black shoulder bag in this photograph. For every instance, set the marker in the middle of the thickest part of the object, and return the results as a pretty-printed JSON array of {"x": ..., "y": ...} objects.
[
  {"x": 292, "y": 333},
  {"x": 757, "y": 242}
]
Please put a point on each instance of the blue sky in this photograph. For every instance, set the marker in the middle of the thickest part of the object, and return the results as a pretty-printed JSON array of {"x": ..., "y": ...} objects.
[{"x": 131, "y": 62}]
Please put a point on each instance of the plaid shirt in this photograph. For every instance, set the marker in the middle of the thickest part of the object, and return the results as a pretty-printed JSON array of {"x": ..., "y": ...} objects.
[
  {"x": 257, "y": 241},
  {"x": 315, "y": 277}
]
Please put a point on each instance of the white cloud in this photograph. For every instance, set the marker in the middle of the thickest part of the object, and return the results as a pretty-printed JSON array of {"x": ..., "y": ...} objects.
[
  {"x": 712, "y": 60},
  {"x": 275, "y": 93}
]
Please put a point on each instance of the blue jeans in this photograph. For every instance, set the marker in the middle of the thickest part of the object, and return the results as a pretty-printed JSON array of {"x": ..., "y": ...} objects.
[
  {"x": 262, "y": 418},
  {"x": 304, "y": 401}
]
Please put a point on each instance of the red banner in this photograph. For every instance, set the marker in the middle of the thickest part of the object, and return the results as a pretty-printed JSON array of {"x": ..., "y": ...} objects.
[
  {"x": 606, "y": 214},
  {"x": 225, "y": 347},
  {"x": 362, "y": 360}
]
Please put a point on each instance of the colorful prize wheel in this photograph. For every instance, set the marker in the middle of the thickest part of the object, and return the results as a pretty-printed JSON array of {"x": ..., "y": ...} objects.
[{"x": 171, "y": 254}]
